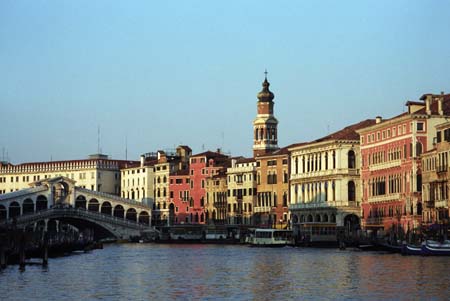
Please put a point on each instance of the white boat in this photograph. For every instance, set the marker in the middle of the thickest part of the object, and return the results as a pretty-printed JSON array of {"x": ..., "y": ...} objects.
[{"x": 270, "y": 238}]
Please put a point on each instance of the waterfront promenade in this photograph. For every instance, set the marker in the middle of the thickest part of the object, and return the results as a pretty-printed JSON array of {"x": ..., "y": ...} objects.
[{"x": 213, "y": 272}]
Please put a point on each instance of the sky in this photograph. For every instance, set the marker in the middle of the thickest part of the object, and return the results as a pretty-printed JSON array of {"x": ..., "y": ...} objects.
[{"x": 155, "y": 74}]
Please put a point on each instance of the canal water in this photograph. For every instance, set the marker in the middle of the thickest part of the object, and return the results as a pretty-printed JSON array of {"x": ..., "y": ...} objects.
[{"x": 211, "y": 272}]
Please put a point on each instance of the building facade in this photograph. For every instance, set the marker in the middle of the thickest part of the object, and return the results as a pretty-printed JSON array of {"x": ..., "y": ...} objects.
[
  {"x": 435, "y": 180},
  {"x": 391, "y": 165},
  {"x": 168, "y": 163},
  {"x": 325, "y": 189},
  {"x": 272, "y": 185},
  {"x": 180, "y": 198},
  {"x": 201, "y": 167},
  {"x": 241, "y": 194},
  {"x": 138, "y": 180},
  {"x": 216, "y": 198},
  {"x": 97, "y": 173}
]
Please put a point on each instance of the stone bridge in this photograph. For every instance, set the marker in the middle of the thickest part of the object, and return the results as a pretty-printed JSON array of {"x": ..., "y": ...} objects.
[{"x": 59, "y": 199}]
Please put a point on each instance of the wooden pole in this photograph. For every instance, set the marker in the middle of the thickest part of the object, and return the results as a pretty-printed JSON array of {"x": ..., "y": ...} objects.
[
  {"x": 45, "y": 250},
  {"x": 2, "y": 257},
  {"x": 22, "y": 252}
]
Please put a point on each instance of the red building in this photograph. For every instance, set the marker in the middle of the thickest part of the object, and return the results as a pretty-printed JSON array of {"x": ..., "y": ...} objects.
[
  {"x": 201, "y": 167},
  {"x": 179, "y": 188},
  {"x": 391, "y": 166}
]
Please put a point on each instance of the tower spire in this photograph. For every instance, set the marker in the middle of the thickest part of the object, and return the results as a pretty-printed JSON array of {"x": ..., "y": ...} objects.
[{"x": 265, "y": 139}]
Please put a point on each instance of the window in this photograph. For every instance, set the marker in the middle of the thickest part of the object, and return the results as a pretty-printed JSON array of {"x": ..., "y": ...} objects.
[
  {"x": 351, "y": 159},
  {"x": 351, "y": 191},
  {"x": 420, "y": 126}
]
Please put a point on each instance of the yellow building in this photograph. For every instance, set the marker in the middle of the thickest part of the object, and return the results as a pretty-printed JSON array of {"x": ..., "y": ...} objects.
[
  {"x": 435, "y": 179},
  {"x": 98, "y": 173},
  {"x": 216, "y": 198},
  {"x": 241, "y": 197}
]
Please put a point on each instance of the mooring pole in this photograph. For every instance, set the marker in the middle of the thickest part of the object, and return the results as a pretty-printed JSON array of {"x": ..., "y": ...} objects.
[
  {"x": 22, "y": 252},
  {"x": 45, "y": 250},
  {"x": 2, "y": 257}
]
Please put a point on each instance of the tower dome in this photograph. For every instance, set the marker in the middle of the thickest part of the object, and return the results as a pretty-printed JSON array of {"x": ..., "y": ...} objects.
[{"x": 265, "y": 95}]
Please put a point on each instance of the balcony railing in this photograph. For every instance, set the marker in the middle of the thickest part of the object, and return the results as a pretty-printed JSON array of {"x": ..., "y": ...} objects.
[
  {"x": 441, "y": 203},
  {"x": 384, "y": 165},
  {"x": 327, "y": 172},
  {"x": 329, "y": 204},
  {"x": 384, "y": 198}
]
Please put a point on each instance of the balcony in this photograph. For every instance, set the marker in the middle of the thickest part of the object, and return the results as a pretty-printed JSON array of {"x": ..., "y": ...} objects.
[
  {"x": 441, "y": 204},
  {"x": 384, "y": 198},
  {"x": 324, "y": 173},
  {"x": 265, "y": 209},
  {"x": 385, "y": 165},
  {"x": 441, "y": 168},
  {"x": 374, "y": 221},
  {"x": 329, "y": 204}
]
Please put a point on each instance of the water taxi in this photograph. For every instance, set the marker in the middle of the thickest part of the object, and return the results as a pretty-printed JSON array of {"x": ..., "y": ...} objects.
[{"x": 270, "y": 238}]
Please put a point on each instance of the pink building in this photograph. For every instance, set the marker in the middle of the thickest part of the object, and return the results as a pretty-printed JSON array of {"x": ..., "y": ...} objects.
[
  {"x": 391, "y": 166},
  {"x": 201, "y": 167},
  {"x": 179, "y": 189}
]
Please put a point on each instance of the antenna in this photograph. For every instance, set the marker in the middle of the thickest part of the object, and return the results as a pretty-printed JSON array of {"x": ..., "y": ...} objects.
[
  {"x": 98, "y": 139},
  {"x": 3, "y": 154},
  {"x": 223, "y": 139},
  {"x": 126, "y": 147}
]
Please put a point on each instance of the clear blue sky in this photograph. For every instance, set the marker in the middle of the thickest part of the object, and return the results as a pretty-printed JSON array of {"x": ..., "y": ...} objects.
[{"x": 168, "y": 72}]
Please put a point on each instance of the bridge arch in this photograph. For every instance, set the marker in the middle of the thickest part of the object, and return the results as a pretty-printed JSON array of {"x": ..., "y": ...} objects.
[
  {"x": 131, "y": 214},
  {"x": 119, "y": 211},
  {"x": 106, "y": 208},
  {"x": 93, "y": 205},
  {"x": 3, "y": 213},
  {"x": 27, "y": 206},
  {"x": 144, "y": 218},
  {"x": 41, "y": 203},
  {"x": 80, "y": 202},
  {"x": 14, "y": 209}
]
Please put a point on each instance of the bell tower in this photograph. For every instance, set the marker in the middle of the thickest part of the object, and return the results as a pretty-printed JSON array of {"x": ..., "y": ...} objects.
[{"x": 265, "y": 135}]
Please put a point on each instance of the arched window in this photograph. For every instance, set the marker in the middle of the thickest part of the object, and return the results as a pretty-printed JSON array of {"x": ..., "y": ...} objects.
[
  {"x": 334, "y": 159},
  {"x": 351, "y": 159},
  {"x": 351, "y": 191}
]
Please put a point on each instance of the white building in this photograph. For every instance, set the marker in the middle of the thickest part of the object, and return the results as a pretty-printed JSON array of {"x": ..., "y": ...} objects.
[{"x": 325, "y": 189}]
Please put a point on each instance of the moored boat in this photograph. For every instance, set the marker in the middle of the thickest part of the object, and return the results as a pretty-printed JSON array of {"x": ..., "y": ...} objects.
[
  {"x": 435, "y": 248},
  {"x": 411, "y": 250},
  {"x": 271, "y": 238}
]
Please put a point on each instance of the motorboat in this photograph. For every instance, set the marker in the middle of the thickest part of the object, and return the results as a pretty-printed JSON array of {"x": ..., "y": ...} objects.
[{"x": 271, "y": 238}]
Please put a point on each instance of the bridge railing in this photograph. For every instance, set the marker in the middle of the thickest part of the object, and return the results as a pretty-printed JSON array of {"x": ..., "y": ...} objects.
[
  {"x": 114, "y": 197},
  {"x": 71, "y": 212}
]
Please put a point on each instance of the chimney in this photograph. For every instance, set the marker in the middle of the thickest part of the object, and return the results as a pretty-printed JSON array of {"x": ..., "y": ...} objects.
[
  {"x": 378, "y": 119},
  {"x": 428, "y": 100},
  {"x": 142, "y": 160},
  {"x": 440, "y": 103}
]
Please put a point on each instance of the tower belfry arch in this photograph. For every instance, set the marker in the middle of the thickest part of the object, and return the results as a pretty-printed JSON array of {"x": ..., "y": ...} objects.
[{"x": 265, "y": 125}]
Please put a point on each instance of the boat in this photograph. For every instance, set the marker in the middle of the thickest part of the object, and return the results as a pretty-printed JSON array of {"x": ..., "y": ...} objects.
[
  {"x": 387, "y": 247},
  {"x": 271, "y": 238},
  {"x": 436, "y": 248},
  {"x": 409, "y": 249}
]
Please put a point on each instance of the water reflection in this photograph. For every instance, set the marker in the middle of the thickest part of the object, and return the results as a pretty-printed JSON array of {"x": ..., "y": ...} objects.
[{"x": 201, "y": 272}]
